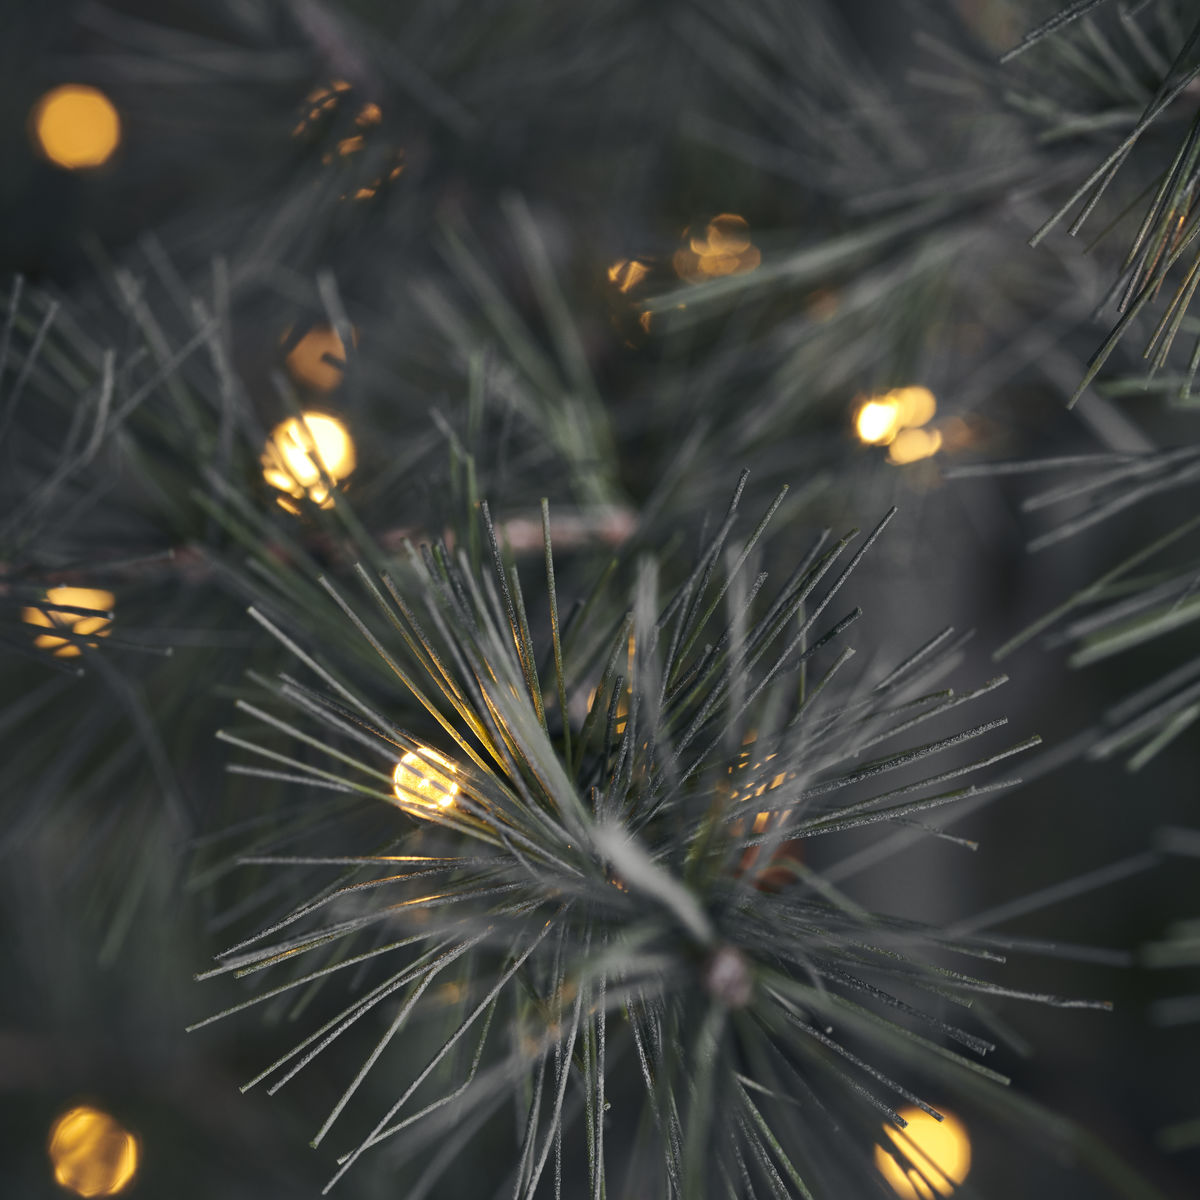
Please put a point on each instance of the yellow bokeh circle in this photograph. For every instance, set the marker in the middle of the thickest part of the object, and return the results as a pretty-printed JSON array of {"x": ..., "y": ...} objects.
[
  {"x": 78, "y": 625},
  {"x": 877, "y": 422},
  {"x": 76, "y": 126},
  {"x": 91, "y": 1153},
  {"x": 424, "y": 779},
  {"x": 318, "y": 359},
  {"x": 927, "y": 1159},
  {"x": 299, "y": 448}
]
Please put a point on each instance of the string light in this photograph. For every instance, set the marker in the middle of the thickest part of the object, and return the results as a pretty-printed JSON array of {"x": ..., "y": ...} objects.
[
  {"x": 79, "y": 625},
  {"x": 725, "y": 249},
  {"x": 927, "y": 1159},
  {"x": 92, "y": 1154},
  {"x": 424, "y": 778},
  {"x": 76, "y": 126},
  {"x": 297, "y": 450}
]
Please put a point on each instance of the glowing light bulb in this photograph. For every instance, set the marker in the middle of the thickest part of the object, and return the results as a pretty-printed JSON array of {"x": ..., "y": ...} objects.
[
  {"x": 318, "y": 359},
  {"x": 92, "y": 1154},
  {"x": 77, "y": 624},
  {"x": 76, "y": 126},
  {"x": 928, "y": 1159},
  {"x": 294, "y": 450},
  {"x": 424, "y": 778},
  {"x": 878, "y": 421}
]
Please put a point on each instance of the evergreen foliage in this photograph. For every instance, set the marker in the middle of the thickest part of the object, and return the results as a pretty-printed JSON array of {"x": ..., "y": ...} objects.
[{"x": 567, "y": 828}]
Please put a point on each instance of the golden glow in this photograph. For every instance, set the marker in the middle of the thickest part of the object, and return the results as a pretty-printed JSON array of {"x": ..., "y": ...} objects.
[
  {"x": 627, "y": 273},
  {"x": 327, "y": 97},
  {"x": 318, "y": 359},
  {"x": 928, "y": 1159},
  {"x": 319, "y": 101},
  {"x": 92, "y": 1154},
  {"x": 76, "y": 126},
  {"x": 372, "y": 188},
  {"x": 917, "y": 406},
  {"x": 911, "y": 445},
  {"x": 322, "y": 100},
  {"x": 781, "y": 869},
  {"x": 879, "y": 420},
  {"x": 424, "y": 778},
  {"x": 725, "y": 249},
  {"x": 323, "y": 106},
  {"x": 746, "y": 762},
  {"x": 294, "y": 450},
  {"x": 726, "y": 234},
  {"x": 78, "y": 624}
]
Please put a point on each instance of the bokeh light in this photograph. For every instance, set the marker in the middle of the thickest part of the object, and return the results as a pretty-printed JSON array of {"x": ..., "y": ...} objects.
[
  {"x": 889, "y": 418},
  {"x": 917, "y": 405},
  {"x": 877, "y": 422},
  {"x": 626, "y": 273},
  {"x": 912, "y": 445},
  {"x": 76, "y": 126},
  {"x": 318, "y": 102},
  {"x": 424, "y": 778},
  {"x": 725, "y": 249},
  {"x": 78, "y": 624},
  {"x": 299, "y": 448},
  {"x": 91, "y": 1153},
  {"x": 927, "y": 1159},
  {"x": 779, "y": 871},
  {"x": 318, "y": 359}
]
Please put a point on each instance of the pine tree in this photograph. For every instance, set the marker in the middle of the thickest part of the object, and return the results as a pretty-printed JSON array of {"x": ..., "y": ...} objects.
[{"x": 436, "y": 441}]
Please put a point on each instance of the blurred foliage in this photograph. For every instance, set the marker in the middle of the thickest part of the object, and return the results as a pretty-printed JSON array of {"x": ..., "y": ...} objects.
[{"x": 495, "y": 220}]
